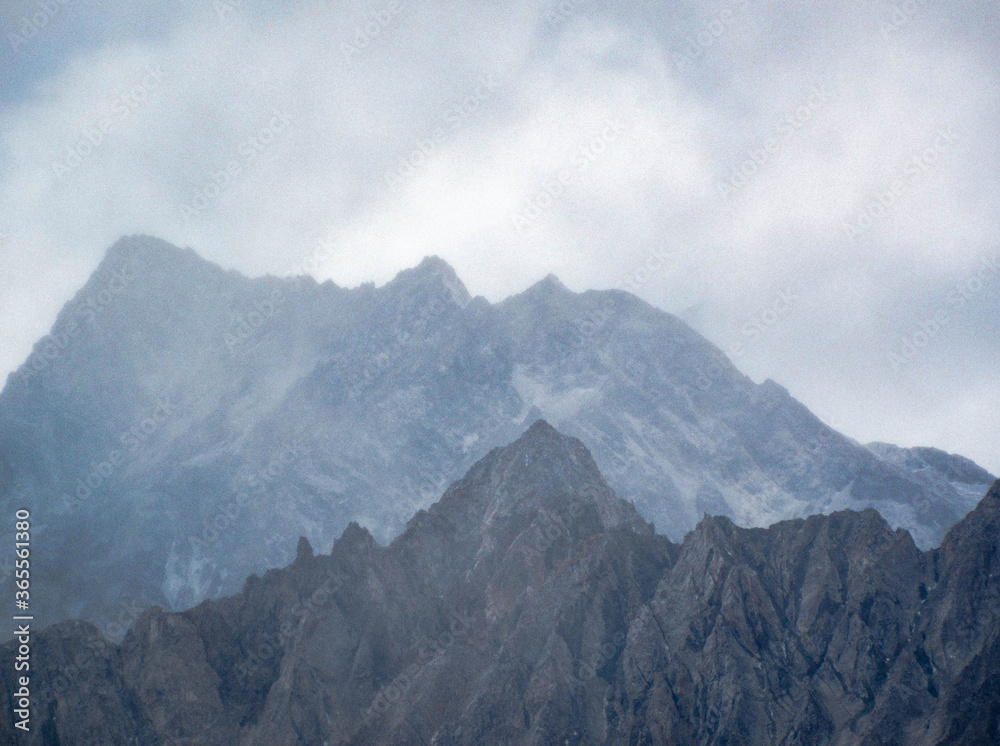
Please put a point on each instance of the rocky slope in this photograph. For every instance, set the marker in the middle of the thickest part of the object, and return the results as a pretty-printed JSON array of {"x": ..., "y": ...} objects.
[
  {"x": 530, "y": 605},
  {"x": 951, "y": 478},
  {"x": 182, "y": 425}
]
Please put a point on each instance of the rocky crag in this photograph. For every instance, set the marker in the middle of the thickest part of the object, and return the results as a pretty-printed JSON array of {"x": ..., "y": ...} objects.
[
  {"x": 183, "y": 425},
  {"x": 531, "y": 605}
]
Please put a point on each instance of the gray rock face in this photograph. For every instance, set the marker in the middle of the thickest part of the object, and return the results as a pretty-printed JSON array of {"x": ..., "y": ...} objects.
[
  {"x": 950, "y": 478},
  {"x": 530, "y": 605},
  {"x": 182, "y": 425}
]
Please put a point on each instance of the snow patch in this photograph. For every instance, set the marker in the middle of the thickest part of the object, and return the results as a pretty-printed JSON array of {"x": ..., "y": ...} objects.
[{"x": 556, "y": 406}]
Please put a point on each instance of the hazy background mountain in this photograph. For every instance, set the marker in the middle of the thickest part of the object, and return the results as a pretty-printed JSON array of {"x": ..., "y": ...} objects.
[
  {"x": 758, "y": 151},
  {"x": 183, "y": 425},
  {"x": 530, "y": 605}
]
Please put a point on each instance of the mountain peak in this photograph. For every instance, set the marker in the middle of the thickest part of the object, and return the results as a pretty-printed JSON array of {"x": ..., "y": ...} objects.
[
  {"x": 541, "y": 470},
  {"x": 546, "y": 302},
  {"x": 434, "y": 271},
  {"x": 541, "y": 430},
  {"x": 549, "y": 285},
  {"x": 543, "y": 445},
  {"x": 144, "y": 260},
  {"x": 434, "y": 263},
  {"x": 542, "y": 489},
  {"x": 981, "y": 522},
  {"x": 355, "y": 538},
  {"x": 140, "y": 248},
  {"x": 304, "y": 550}
]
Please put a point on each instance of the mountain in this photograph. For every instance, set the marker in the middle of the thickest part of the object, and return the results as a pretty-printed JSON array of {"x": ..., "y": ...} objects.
[
  {"x": 951, "y": 478},
  {"x": 183, "y": 425},
  {"x": 531, "y": 605}
]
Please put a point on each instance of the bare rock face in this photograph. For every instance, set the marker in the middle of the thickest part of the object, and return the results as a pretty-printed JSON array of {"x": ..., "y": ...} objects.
[
  {"x": 530, "y": 605},
  {"x": 948, "y": 682},
  {"x": 79, "y": 692},
  {"x": 182, "y": 426}
]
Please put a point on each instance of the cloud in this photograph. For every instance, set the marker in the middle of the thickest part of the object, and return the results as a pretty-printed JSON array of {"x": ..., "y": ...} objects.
[{"x": 843, "y": 154}]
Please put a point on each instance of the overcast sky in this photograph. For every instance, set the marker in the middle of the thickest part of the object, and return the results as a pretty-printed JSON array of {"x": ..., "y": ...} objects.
[{"x": 814, "y": 183}]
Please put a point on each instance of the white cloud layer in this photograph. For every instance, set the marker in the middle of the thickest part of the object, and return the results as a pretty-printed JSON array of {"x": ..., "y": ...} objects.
[{"x": 839, "y": 156}]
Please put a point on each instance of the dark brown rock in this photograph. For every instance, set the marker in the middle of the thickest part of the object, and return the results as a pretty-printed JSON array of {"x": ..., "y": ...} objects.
[{"x": 532, "y": 606}]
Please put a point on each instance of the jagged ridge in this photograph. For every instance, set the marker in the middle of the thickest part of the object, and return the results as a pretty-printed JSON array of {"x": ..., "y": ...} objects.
[
  {"x": 197, "y": 422},
  {"x": 530, "y": 605}
]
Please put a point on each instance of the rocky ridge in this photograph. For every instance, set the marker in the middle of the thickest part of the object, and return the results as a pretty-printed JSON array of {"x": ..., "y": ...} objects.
[
  {"x": 531, "y": 605},
  {"x": 183, "y": 425}
]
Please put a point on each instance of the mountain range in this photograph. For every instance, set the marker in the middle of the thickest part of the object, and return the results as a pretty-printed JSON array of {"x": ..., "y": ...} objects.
[
  {"x": 531, "y": 605},
  {"x": 182, "y": 425}
]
